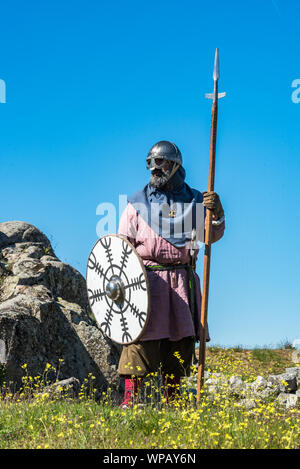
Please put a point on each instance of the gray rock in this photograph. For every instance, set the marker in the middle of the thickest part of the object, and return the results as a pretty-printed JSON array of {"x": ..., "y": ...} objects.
[
  {"x": 235, "y": 381},
  {"x": 286, "y": 382},
  {"x": 293, "y": 401},
  {"x": 274, "y": 388},
  {"x": 2, "y": 352},
  {"x": 290, "y": 401},
  {"x": 293, "y": 370},
  {"x": 45, "y": 316},
  {"x": 267, "y": 392},
  {"x": 262, "y": 389},
  {"x": 237, "y": 386},
  {"x": 282, "y": 398},
  {"x": 17, "y": 232},
  {"x": 259, "y": 383},
  {"x": 68, "y": 387},
  {"x": 217, "y": 379},
  {"x": 212, "y": 389},
  {"x": 248, "y": 403}
]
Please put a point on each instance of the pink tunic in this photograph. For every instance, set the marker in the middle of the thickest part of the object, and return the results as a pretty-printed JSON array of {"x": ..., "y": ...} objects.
[{"x": 170, "y": 315}]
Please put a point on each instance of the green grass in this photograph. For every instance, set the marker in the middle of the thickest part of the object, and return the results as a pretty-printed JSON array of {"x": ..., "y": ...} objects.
[
  {"x": 266, "y": 356},
  {"x": 35, "y": 419},
  {"x": 86, "y": 424},
  {"x": 248, "y": 363}
]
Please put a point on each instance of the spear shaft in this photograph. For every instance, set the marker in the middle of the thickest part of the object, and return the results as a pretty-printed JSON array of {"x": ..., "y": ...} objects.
[{"x": 208, "y": 226}]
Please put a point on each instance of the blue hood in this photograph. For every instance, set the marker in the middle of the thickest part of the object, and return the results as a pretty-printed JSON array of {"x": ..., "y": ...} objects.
[{"x": 177, "y": 199}]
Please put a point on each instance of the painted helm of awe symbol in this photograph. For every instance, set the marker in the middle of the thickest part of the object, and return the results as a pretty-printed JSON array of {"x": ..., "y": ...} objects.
[
  {"x": 118, "y": 290},
  {"x": 162, "y": 151}
]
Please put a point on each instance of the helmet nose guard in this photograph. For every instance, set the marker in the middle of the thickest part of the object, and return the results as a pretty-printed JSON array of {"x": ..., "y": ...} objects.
[{"x": 164, "y": 150}]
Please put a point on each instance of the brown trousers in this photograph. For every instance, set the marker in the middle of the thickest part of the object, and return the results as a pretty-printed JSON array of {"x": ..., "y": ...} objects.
[{"x": 144, "y": 357}]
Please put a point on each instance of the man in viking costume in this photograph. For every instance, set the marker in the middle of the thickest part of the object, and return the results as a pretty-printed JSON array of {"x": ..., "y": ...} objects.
[{"x": 168, "y": 340}]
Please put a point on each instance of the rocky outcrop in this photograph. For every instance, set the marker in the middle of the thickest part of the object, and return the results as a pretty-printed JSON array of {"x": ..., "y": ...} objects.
[
  {"x": 45, "y": 316},
  {"x": 284, "y": 388}
]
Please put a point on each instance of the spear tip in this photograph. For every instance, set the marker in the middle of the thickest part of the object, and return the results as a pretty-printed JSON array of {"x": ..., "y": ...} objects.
[{"x": 216, "y": 67}]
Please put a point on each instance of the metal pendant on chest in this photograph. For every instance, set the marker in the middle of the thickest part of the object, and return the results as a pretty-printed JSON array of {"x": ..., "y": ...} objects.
[{"x": 172, "y": 212}]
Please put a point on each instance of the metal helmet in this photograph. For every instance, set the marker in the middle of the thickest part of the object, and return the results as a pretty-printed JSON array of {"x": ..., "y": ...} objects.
[{"x": 164, "y": 150}]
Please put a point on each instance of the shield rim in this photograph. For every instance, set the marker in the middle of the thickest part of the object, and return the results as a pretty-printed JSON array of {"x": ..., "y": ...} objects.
[{"x": 147, "y": 286}]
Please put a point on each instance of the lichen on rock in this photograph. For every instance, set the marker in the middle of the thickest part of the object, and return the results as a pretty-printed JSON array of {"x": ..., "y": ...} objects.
[{"x": 44, "y": 313}]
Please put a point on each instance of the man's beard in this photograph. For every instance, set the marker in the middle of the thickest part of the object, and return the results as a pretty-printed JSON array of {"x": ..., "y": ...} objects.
[{"x": 158, "y": 178}]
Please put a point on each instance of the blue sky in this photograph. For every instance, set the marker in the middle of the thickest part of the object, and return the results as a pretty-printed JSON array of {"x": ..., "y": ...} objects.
[{"x": 92, "y": 85}]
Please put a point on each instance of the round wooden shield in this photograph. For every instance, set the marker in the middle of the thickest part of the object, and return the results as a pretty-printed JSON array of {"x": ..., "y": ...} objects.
[{"x": 118, "y": 290}]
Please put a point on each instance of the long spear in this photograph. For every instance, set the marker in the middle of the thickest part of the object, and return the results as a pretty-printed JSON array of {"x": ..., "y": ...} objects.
[{"x": 208, "y": 228}]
